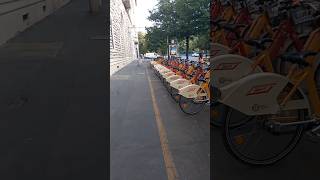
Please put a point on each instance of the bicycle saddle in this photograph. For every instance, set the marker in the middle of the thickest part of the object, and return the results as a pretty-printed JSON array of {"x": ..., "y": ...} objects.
[
  {"x": 233, "y": 28},
  {"x": 259, "y": 43},
  {"x": 218, "y": 22},
  {"x": 202, "y": 79},
  {"x": 298, "y": 57},
  {"x": 286, "y": 2}
]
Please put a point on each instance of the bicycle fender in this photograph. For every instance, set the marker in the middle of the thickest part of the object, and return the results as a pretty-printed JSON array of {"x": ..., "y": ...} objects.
[
  {"x": 179, "y": 83},
  {"x": 218, "y": 49},
  {"x": 189, "y": 91},
  {"x": 172, "y": 78},
  {"x": 164, "y": 71},
  {"x": 160, "y": 68},
  {"x": 156, "y": 65},
  {"x": 168, "y": 74},
  {"x": 230, "y": 68},
  {"x": 257, "y": 94},
  {"x": 153, "y": 63},
  {"x": 317, "y": 63}
]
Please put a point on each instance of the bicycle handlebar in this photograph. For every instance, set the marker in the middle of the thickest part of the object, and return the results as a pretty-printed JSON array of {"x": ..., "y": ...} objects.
[{"x": 298, "y": 58}]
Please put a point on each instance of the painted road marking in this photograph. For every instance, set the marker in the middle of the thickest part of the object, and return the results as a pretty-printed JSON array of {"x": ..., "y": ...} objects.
[
  {"x": 120, "y": 77},
  {"x": 172, "y": 173}
]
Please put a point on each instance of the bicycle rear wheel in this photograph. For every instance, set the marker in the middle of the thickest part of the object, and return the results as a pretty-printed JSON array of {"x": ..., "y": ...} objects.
[
  {"x": 259, "y": 140},
  {"x": 190, "y": 105},
  {"x": 253, "y": 142},
  {"x": 217, "y": 114},
  {"x": 174, "y": 94},
  {"x": 264, "y": 139}
]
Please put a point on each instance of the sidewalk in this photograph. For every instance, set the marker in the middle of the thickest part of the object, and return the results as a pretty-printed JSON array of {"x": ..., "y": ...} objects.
[
  {"x": 136, "y": 153},
  {"x": 53, "y": 99}
]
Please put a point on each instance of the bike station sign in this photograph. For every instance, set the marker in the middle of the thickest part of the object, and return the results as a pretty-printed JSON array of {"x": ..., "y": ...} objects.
[{"x": 173, "y": 48}]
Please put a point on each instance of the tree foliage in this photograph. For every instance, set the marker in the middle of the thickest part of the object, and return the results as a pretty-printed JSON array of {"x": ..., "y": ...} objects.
[
  {"x": 179, "y": 19},
  {"x": 143, "y": 47}
]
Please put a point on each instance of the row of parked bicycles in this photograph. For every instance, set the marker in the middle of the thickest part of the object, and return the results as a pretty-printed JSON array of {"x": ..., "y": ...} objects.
[
  {"x": 186, "y": 81},
  {"x": 265, "y": 76}
]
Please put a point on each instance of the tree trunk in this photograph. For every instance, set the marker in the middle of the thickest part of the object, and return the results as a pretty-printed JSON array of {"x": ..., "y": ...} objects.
[{"x": 187, "y": 47}]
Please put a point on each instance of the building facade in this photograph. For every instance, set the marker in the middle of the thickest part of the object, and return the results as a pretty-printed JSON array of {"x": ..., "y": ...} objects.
[
  {"x": 18, "y": 15},
  {"x": 124, "y": 46}
]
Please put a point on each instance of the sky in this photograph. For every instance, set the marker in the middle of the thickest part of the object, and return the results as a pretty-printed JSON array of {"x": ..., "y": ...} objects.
[{"x": 142, "y": 13}]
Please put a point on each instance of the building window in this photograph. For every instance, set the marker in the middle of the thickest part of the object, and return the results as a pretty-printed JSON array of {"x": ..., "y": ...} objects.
[
  {"x": 111, "y": 36},
  {"x": 25, "y": 17}
]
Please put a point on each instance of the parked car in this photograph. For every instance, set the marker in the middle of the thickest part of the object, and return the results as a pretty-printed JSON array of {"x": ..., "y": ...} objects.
[
  {"x": 195, "y": 54},
  {"x": 151, "y": 55}
]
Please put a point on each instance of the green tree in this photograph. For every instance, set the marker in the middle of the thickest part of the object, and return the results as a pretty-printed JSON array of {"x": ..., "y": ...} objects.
[
  {"x": 142, "y": 43},
  {"x": 156, "y": 40},
  {"x": 181, "y": 19}
]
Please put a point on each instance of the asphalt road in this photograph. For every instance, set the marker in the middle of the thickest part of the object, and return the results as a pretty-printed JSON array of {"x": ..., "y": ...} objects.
[
  {"x": 136, "y": 153},
  {"x": 53, "y": 99}
]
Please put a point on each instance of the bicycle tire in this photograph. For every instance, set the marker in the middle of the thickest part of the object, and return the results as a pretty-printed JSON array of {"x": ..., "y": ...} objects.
[
  {"x": 218, "y": 120},
  {"x": 174, "y": 94},
  {"x": 217, "y": 114},
  {"x": 261, "y": 162},
  {"x": 317, "y": 78},
  {"x": 182, "y": 105},
  {"x": 236, "y": 135}
]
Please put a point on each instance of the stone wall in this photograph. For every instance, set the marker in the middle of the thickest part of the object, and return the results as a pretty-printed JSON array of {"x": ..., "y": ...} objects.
[{"x": 122, "y": 48}]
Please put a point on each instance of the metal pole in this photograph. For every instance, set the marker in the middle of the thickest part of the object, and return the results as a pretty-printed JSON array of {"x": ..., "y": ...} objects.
[
  {"x": 95, "y": 6},
  {"x": 168, "y": 47},
  {"x": 187, "y": 47}
]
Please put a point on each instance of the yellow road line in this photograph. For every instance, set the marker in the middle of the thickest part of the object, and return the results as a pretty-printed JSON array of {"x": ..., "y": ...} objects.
[{"x": 170, "y": 166}]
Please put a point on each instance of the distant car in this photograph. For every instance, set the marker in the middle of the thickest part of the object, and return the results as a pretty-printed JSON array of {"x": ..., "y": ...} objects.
[
  {"x": 195, "y": 55},
  {"x": 151, "y": 55}
]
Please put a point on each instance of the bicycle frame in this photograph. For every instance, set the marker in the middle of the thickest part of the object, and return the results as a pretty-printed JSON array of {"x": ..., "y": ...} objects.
[
  {"x": 180, "y": 75},
  {"x": 197, "y": 91},
  {"x": 183, "y": 82},
  {"x": 259, "y": 26},
  {"x": 226, "y": 38},
  {"x": 216, "y": 9},
  {"x": 236, "y": 67},
  {"x": 307, "y": 74},
  {"x": 260, "y": 91}
]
